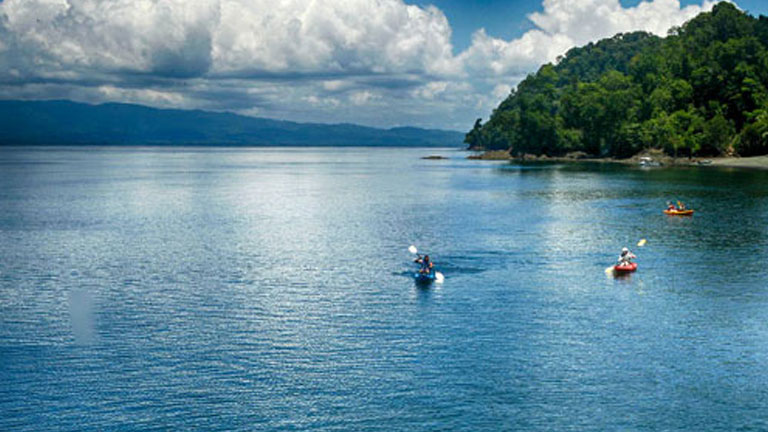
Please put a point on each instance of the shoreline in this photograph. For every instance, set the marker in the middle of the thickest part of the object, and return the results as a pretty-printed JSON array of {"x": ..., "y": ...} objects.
[{"x": 752, "y": 162}]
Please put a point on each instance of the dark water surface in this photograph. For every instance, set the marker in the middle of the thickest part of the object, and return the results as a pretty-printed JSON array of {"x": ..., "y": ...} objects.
[{"x": 269, "y": 289}]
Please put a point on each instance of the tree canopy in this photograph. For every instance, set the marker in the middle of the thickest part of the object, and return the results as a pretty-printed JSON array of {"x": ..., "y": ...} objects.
[{"x": 702, "y": 90}]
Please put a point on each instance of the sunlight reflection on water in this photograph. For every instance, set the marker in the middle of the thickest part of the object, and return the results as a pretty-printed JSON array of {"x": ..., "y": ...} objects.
[{"x": 241, "y": 289}]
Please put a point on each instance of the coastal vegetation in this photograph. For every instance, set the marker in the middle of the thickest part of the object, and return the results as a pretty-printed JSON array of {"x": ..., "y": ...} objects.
[{"x": 700, "y": 91}]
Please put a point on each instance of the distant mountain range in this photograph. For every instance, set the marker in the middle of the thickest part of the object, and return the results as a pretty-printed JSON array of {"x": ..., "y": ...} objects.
[{"x": 71, "y": 123}]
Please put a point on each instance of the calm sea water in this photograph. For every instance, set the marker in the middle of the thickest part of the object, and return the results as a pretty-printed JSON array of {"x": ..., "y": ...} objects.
[{"x": 270, "y": 289}]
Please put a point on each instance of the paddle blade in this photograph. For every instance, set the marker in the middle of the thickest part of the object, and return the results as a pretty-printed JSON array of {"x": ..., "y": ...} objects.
[
  {"x": 609, "y": 270},
  {"x": 412, "y": 249},
  {"x": 641, "y": 243},
  {"x": 439, "y": 278}
]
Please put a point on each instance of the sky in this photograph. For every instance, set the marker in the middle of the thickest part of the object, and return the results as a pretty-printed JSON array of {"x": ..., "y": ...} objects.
[{"x": 384, "y": 63}]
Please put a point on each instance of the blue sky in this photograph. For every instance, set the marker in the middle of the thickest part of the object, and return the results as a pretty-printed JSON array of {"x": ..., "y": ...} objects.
[{"x": 384, "y": 63}]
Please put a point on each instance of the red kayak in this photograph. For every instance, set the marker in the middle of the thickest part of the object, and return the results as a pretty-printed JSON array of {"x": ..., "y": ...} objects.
[{"x": 625, "y": 269}]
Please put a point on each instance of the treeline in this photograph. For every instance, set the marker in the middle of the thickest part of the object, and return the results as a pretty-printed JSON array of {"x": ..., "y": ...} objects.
[{"x": 702, "y": 90}]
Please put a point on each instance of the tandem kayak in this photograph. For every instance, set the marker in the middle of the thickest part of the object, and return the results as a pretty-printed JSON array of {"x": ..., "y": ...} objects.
[
  {"x": 625, "y": 269},
  {"x": 678, "y": 212}
]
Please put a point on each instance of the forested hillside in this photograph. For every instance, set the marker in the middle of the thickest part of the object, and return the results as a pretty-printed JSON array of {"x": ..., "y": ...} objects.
[
  {"x": 702, "y": 90},
  {"x": 71, "y": 123}
]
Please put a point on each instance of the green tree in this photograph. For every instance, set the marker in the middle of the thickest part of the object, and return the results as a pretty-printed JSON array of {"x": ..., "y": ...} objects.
[
  {"x": 701, "y": 90},
  {"x": 718, "y": 134},
  {"x": 474, "y": 137}
]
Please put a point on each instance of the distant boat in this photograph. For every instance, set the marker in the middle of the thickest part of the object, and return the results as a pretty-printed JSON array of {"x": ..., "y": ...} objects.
[{"x": 649, "y": 162}]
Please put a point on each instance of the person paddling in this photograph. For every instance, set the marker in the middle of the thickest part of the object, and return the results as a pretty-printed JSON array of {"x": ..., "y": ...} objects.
[
  {"x": 426, "y": 264},
  {"x": 626, "y": 257}
]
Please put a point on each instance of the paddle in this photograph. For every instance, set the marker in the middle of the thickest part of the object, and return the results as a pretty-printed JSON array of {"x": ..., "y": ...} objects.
[{"x": 439, "y": 278}]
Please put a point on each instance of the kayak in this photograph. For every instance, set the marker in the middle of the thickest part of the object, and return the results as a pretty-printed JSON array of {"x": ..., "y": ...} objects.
[
  {"x": 625, "y": 269},
  {"x": 678, "y": 212},
  {"x": 424, "y": 277}
]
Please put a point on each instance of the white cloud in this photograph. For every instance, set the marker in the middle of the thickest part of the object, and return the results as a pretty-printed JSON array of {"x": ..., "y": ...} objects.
[
  {"x": 335, "y": 85},
  {"x": 587, "y": 20},
  {"x": 49, "y": 37},
  {"x": 158, "y": 98},
  {"x": 180, "y": 38},
  {"x": 491, "y": 56},
  {"x": 363, "y": 97},
  {"x": 306, "y": 60},
  {"x": 567, "y": 23},
  {"x": 431, "y": 90},
  {"x": 322, "y": 102}
]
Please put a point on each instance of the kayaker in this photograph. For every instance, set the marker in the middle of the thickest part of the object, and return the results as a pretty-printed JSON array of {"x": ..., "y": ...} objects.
[
  {"x": 426, "y": 264},
  {"x": 626, "y": 257},
  {"x": 670, "y": 206},
  {"x": 680, "y": 206}
]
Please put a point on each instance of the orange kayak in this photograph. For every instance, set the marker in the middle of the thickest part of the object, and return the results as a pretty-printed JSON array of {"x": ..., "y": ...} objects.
[
  {"x": 625, "y": 268},
  {"x": 679, "y": 212}
]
